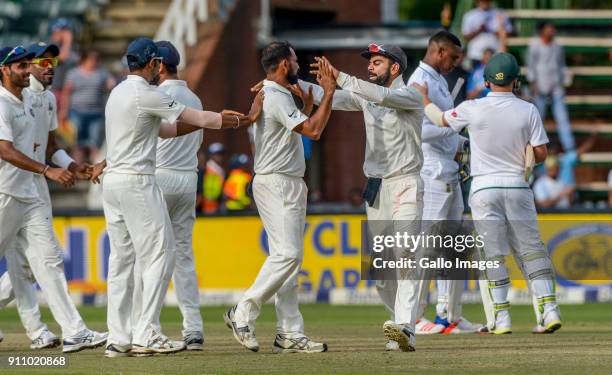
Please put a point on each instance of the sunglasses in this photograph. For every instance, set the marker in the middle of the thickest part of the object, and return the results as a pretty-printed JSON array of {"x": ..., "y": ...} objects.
[
  {"x": 375, "y": 48},
  {"x": 19, "y": 50},
  {"x": 46, "y": 62}
]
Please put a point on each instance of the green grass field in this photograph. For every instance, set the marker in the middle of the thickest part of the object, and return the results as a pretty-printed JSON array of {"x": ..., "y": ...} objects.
[{"x": 356, "y": 346}]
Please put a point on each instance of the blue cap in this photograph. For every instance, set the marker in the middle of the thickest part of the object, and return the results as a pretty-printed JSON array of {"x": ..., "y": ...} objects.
[
  {"x": 59, "y": 24},
  {"x": 140, "y": 52},
  {"x": 9, "y": 55},
  {"x": 169, "y": 54},
  {"x": 40, "y": 48}
]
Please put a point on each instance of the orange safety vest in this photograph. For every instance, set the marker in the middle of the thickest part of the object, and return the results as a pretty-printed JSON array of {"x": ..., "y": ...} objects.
[{"x": 235, "y": 190}]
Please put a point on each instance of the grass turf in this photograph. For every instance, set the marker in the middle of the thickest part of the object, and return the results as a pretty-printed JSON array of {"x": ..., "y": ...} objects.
[{"x": 356, "y": 346}]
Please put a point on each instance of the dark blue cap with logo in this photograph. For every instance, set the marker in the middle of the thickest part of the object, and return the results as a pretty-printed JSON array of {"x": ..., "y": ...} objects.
[
  {"x": 40, "y": 48},
  {"x": 168, "y": 53},
  {"x": 9, "y": 55},
  {"x": 140, "y": 52}
]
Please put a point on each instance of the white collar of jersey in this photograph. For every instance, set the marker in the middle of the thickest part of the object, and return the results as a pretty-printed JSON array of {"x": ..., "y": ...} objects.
[
  {"x": 501, "y": 94},
  {"x": 398, "y": 82},
  {"x": 429, "y": 69},
  {"x": 173, "y": 82},
  {"x": 134, "y": 77},
  {"x": 268, "y": 83},
  {"x": 36, "y": 85},
  {"x": 6, "y": 93}
]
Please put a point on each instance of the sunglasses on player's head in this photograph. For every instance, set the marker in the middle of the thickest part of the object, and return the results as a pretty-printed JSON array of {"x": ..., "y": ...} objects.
[
  {"x": 19, "y": 50},
  {"x": 45, "y": 62},
  {"x": 375, "y": 48}
]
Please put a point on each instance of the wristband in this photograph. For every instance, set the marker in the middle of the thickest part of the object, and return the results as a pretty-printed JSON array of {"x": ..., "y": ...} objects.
[{"x": 61, "y": 159}]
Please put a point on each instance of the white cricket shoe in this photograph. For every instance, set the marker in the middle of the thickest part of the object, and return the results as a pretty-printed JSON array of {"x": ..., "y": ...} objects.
[
  {"x": 503, "y": 324},
  {"x": 194, "y": 341},
  {"x": 158, "y": 343},
  {"x": 401, "y": 334},
  {"x": 392, "y": 346},
  {"x": 86, "y": 339},
  {"x": 462, "y": 326},
  {"x": 114, "y": 351},
  {"x": 552, "y": 319},
  {"x": 46, "y": 339},
  {"x": 425, "y": 326},
  {"x": 301, "y": 344},
  {"x": 243, "y": 335}
]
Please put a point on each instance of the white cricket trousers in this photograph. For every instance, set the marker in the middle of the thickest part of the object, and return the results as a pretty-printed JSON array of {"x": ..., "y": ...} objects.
[
  {"x": 179, "y": 190},
  {"x": 27, "y": 226},
  {"x": 400, "y": 199},
  {"x": 140, "y": 232},
  {"x": 442, "y": 201},
  {"x": 281, "y": 202}
]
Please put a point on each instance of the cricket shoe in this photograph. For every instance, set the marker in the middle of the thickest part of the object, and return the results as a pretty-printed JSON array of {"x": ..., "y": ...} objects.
[
  {"x": 114, "y": 351},
  {"x": 46, "y": 339},
  {"x": 243, "y": 335},
  {"x": 392, "y": 346},
  {"x": 301, "y": 344},
  {"x": 462, "y": 326},
  {"x": 503, "y": 324},
  {"x": 158, "y": 344},
  {"x": 425, "y": 326},
  {"x": 401, "y": 334},
  {"x": 194, "y": 341},
  {"x": 86, "y": 339},
  {"x": 552, "y": 320}
]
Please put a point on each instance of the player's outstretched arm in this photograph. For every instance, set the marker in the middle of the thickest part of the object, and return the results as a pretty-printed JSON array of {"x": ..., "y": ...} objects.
[
  {"x": 9, "y": 153},
  {"x": 433, "y": 113},
  {"x": 401, "y": 98},
  {"x": 60, "y": 158},
  {"x": 314, "y": 126}
]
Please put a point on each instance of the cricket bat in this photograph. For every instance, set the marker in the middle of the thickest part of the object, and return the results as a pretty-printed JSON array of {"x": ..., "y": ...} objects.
[{"x": 529, "y": 162}]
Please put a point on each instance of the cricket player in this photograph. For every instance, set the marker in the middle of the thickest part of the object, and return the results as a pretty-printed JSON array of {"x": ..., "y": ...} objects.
[
  {"x": 443, "y": 199},
  {"x": 176, "y": 176},
  {"x": 392, "y": 114},
  {"x": 280, "y": 194},
  {"x": 26, "y": 119},
  {"x": 137, "y": 219},
  {"x": 502, "y": 129}
]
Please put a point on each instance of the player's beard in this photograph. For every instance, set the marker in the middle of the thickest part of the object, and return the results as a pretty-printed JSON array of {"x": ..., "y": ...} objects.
[
  {"x": 383, "y": 79},
  {"x": 292, "y": 78}
]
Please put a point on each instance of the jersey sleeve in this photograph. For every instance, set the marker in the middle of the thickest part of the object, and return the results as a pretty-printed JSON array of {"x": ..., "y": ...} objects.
[
  {"x": 538, "y": 135},
  {"x": 459, "y": 117},
  {"x": 157, "y": 103},
  {"x": 6, "y": 130},
  {"x": 286, "y": 113}
]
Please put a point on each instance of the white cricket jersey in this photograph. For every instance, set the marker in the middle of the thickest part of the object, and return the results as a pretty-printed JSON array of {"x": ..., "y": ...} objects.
[
  {"x": 278, "y": 149},
  {"x": 133, "y": 114},
  {"x": 16, "y": 126},
  {"x": 500, "y": 126},
  {"x": 44, "y": 109},
  {"x": 180, "y": 153},
  {"x": 439, "y": 143}
]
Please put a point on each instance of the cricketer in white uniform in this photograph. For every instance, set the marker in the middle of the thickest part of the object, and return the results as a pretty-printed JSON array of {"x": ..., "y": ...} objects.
[
  {"x": 137, "y": 219},
  {"x": 176, "y": 176},
  {"x": 280, "y": 194},
  {"x": 392, "y": 114},
  {"x": 443, "y": 199},
  {"x": 25, "y": 214},
  {"x": 501, "y": 128}
]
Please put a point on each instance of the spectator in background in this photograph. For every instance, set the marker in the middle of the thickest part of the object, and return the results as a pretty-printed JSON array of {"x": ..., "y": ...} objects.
[
  {"x": 200, "y": 189},
  {"x": 214, "y": 178},
  {"x": 84, "y": 98},
  {"x": 549, "y": 190},
  {"x": 610, "y": 188},
  {"x": 62, "y": 36},
  {"x": 546, "y": 74},
  {"x": 476, "y": 83},
  {"x": 235, "y": 187},
  {"x": 485, "y": 27}
]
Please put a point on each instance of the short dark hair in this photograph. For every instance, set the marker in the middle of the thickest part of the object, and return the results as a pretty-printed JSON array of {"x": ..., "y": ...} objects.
[
  {"x": 541, "y": 25},
  {"x": 273, "y": 54},
  {"x": 171, "y": 69},
  {"x": 444, "y": 36}
]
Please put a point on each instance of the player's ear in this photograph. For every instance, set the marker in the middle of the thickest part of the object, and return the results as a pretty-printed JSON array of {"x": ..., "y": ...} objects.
[
  {"x": 487, "y": 85},
  {"x": 395, "y": 68}
]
